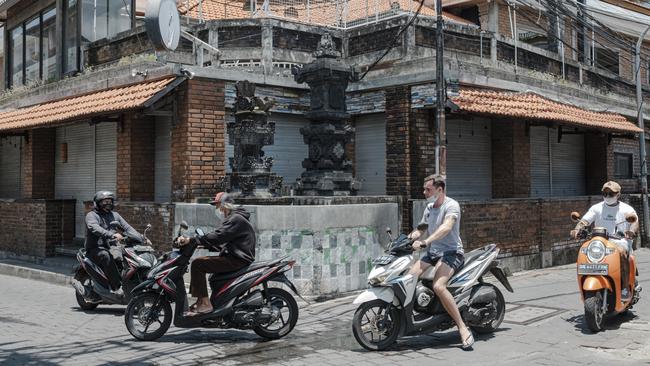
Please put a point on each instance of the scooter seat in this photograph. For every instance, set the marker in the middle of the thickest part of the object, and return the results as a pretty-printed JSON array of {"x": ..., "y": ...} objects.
[{"x": 253, "y": 266}]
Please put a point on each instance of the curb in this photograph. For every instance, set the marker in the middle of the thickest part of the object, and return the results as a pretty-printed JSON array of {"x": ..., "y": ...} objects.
[{"x": 35, "y": 274}]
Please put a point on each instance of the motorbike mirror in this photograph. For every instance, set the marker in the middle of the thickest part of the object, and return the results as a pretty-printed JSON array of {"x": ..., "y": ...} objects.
[
  {"x": 199, "y": 232},
  {"x": 575, "y": 216},
  {"x": 631, "y": 218},
  {"x": 148, "y": 227},
  {"x": 184, "y": 225},
  {"x": 389, "y": 231}
]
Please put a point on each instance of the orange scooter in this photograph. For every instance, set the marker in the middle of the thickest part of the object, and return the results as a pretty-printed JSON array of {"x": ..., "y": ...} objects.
[{"x": 599, "y": 274}]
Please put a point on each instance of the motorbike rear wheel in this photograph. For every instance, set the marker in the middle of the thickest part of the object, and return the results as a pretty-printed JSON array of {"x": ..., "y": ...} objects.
[
  {"x": 143, "y": 316},
  {"x": 501, "y": 312},
  {"x": 368, "y": 322},
  {"x": 85, "y": 280},
  {"x": 594, "y": 314},
  {"x": 287, "y": 308}
]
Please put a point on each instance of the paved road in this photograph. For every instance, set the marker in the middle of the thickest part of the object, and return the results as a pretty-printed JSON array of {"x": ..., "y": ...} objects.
[{"x": 41, "y": 325}]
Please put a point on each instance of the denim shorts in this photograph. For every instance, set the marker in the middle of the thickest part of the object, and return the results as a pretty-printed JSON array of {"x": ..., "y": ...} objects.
[{"x": 452, "y": 258}]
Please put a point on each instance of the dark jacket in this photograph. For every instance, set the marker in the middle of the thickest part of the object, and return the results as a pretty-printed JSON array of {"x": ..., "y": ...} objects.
[
  {"x": 99, "y": 231},
  {"x": 236, "y": 236}
]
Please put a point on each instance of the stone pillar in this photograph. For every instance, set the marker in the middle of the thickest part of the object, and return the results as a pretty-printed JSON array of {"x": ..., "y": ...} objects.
[
  {"x": 510, "y": 159},
  {"x": 38, "y": 156},
  {"x": 398, "y": 147}
]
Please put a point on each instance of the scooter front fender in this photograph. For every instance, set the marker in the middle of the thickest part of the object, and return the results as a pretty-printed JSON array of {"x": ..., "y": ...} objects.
[
  {"x": 382, "y": 293},
  {"x": 595, "y": 283}
]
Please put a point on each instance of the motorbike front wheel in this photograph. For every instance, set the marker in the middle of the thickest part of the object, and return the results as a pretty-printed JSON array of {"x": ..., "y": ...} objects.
[
  {"x": 148, "y": 316},
  {"x": 594, "y": 311},
  {"x": 85, "y": 281},
  {"x": 376, "y": 325}
]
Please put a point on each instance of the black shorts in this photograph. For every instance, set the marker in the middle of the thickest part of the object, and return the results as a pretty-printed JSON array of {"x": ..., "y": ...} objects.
[{"x": 453, "y": 259}]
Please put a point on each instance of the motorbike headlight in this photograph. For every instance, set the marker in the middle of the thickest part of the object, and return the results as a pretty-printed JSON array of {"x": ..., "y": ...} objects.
[{"x": 596, "y": 251}]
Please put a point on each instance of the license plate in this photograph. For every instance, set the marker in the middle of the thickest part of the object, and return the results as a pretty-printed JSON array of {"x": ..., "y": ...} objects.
[
  {"x": 599, "y": 269},
  {"x": 383, "y": 260}
]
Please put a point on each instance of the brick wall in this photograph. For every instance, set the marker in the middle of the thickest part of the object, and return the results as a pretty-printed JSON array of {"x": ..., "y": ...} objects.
[
  {"x": 198, "y": 151},
  {"x": 133, "y": 43},
  {"x": 423, "y": 154},
  {"x": 136, "y": 159},
  {"x": 511, "y": 159},
  {"x": 37, "y": 226},
  {"x": 160, "y": 216},
  {"x": 239, "y": 37},
  {"x": 398, "y": 145},
  {"x": 38, "y": 164},
  {"x": 625, "y": 146},
  {"x": 299, "y": 41},
  {"x": 372, "y": 42}
]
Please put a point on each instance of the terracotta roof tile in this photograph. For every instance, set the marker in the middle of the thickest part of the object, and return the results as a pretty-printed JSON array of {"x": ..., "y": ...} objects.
[
  {"x": 105, "y": 101},
  {"x": 324, "y": 13},
  {"x": 534, "y": 106}
]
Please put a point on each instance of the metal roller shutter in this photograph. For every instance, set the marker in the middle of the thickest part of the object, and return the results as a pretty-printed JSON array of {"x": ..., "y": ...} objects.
[
  {"x": 163, "y": 162},
  {"x": 370, "y": 153},
  {"x": 10, "y": 166},
  {"x": 105, "y": 157},
  {"x": 540, "y": 166},
  {"x": 289, "y": 149},
  {"x": 469, "y": 159},
  {"x": 557, "y": 169}
]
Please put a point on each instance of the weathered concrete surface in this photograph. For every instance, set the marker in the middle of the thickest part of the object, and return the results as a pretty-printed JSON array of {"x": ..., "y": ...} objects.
[
  {"x": 332, "y": 244},
  {"x": 544, "y": 325}
]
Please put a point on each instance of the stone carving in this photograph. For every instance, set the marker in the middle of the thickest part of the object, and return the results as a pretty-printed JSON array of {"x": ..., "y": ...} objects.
[
  {"x": 328, "y": 171},
  {"x": 251, "y": 170}
]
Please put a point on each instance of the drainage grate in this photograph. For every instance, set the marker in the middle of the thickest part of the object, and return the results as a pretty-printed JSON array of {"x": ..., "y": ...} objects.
[{"x": 524, "y": 314}]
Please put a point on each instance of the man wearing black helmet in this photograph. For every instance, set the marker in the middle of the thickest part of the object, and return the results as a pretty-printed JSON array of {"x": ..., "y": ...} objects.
[{"x": 99, "y": 233}]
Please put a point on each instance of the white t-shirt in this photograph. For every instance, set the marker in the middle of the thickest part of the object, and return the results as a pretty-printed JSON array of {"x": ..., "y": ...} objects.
[
  {"x": 608, "y": 217},
  {"x": 434, "y": 217}
]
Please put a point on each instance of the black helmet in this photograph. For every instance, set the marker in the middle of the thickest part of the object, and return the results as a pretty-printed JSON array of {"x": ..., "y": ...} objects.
[{"x": 102, "y": 195}]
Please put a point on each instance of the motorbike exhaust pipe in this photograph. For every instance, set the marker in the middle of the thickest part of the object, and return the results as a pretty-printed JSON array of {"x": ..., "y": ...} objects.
[{"x": 80, "y": 288}]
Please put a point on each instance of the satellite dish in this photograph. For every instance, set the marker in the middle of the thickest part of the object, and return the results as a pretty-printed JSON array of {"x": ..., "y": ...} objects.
[{"x": 163, "y": 24}]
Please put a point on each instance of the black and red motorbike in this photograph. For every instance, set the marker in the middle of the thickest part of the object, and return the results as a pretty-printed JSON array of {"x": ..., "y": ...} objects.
[
  {"x": 242, "y": 299},
  {"x": 91, "y": 283}
]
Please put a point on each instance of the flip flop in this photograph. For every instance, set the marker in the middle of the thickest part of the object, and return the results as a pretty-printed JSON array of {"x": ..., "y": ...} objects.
[
  {"x": 192, "y": 307},
  {"x": 195, "y": 313},
  {"x": 468, "y": 342}
]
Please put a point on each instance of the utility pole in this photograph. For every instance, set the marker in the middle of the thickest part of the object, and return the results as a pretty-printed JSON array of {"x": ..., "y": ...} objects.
[
  {"x": 642, "y": 152},
  {"x": 441, "y": 95}
]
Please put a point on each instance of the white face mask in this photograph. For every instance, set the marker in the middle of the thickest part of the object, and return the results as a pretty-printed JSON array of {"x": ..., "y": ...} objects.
[
  {"x": 433, "y": 198},
  {"x": 610, "y": 201}
]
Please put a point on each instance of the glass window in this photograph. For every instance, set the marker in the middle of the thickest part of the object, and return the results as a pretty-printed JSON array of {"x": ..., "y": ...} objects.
[
  {"x": 16, "y": 53},
  {"x": 623, "y": 165},
  {"x": 71, "y": 37},
  {"x": 32, "y": 49},
  {"x": 94, "y": 20},
  {"x": 119, "y": 17},
  {"x": 49, "y": 45}
]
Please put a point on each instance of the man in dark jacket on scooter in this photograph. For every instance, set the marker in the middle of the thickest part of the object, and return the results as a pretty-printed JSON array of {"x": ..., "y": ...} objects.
[
  {"x": 235, "y": 239},
  {"x": 99, "y": 234}
]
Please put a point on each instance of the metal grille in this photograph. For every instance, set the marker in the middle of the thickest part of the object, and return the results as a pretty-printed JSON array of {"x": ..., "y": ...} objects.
[{"x": 333, "y": 13}]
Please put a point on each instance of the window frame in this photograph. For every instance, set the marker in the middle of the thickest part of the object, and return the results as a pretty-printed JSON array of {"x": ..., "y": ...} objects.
[{"x": 630, "y": 165}]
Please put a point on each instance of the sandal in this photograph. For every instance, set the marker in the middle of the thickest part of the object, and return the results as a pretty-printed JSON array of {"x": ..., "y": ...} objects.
[
  {"x": 195, "y": 313},
  {"x": 192, "y": 307},
  {"x": 468, "y": 342}
]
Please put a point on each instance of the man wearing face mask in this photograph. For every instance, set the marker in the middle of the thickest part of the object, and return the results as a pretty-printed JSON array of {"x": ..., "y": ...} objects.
[
  {"x": 235, "y": 239},
  {"x": 442, "y": 236},
  {"x": 610, "y": 214}
]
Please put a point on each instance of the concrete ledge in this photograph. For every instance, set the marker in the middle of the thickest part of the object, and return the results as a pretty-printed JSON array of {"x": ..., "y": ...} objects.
[{"x": 35, "y": 274}]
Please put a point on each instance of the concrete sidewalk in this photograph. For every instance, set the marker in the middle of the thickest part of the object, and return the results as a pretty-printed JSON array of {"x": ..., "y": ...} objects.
[{"x": 55, "y": 270}]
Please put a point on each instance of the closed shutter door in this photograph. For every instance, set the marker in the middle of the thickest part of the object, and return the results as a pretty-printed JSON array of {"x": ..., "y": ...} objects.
[
  {"x": 540, "y": 176},
  {"x": 10, "y": 160},
  {"x": 469, "y": 159},
  {"x": 370, "y": 153},
  {"x": 557, "y": 169},
  {"x": 75, "y": 179},
  {"x": 106, "y": 157},
  {"x": 288, "y": 150},
  {"x": 163, "y": 168},
  {"x": 568, "y": 162}
]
